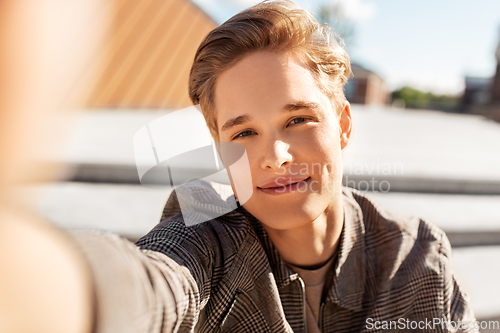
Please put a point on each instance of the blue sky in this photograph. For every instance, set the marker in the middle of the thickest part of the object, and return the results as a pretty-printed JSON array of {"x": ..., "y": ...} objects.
[{"x": 428, "y": 44}]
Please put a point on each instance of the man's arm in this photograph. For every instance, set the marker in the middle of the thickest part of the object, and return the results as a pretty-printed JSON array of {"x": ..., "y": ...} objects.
[
  {"x": 44, "y": 283},
  {"x": 82, "y": 282},
  {"x": 138, "y": 290}
]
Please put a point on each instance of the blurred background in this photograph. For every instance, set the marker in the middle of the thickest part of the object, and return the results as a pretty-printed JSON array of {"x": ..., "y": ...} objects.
[{"x": 425, "y": 97}]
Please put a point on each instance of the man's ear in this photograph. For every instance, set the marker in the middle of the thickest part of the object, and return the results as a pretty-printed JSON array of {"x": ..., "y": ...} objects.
[{"x": 345, "y": 122}]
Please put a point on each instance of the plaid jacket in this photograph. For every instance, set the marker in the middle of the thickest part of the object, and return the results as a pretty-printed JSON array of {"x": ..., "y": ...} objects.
[{"x": 225, "y": 275}]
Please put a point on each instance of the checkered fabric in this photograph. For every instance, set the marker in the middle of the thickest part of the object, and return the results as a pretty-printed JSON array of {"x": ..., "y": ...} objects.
[{"x": 225, "y": 275}]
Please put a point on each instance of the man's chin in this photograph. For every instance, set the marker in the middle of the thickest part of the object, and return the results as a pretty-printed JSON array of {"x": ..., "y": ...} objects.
[{"x": 282, "y": 216}]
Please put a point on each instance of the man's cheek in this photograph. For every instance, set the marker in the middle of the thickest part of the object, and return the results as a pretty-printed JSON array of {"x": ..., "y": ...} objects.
[{"x": 238, "y": 168}]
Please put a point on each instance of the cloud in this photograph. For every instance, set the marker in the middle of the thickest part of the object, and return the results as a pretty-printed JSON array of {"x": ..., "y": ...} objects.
[
  {"x": 245, "y": 3},
  {"x": 357, "y": 10}
]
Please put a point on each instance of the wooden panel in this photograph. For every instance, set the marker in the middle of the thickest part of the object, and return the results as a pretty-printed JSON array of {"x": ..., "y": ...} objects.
[
  {"x": 179, "y": 91},
  {"x": 171, "y": 57},
  {"x": 149, "y": 54},
  {"x": 149, "y": 63}
]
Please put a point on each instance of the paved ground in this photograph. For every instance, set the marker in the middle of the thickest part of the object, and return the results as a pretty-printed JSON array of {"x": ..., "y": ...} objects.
[{"x": 426, "y": 143}]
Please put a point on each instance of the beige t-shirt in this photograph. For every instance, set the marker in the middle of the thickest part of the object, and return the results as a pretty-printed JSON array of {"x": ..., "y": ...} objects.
[{"x": 314, "y": 280}]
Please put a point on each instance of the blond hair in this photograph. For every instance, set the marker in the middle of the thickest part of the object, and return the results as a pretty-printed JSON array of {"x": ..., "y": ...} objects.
[{"x": 278, "y": 26}]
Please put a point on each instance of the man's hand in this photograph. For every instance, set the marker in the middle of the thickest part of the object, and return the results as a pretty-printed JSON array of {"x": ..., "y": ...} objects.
[{"x": 44, "y": 283}]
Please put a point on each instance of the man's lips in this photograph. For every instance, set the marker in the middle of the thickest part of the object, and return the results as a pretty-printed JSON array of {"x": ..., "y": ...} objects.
[
  {"x": 281, "y": 182},
  {"x": 282, "y": 186}
]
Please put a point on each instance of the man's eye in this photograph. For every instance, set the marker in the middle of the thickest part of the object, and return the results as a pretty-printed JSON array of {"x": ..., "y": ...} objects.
[
  {"x": 243, "y": 134},
  {"x": 297, "y": 120}
]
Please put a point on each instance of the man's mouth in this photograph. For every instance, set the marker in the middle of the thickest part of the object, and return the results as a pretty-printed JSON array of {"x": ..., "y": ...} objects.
[{"x": 284, "y": 185}]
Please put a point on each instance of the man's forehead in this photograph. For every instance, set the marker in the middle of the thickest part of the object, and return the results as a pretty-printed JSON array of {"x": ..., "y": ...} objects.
[{"x": 263, "y": 79}]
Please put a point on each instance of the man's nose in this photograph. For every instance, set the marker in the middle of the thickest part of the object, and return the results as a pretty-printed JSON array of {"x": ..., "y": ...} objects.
[{"x": 276, "y": 155}]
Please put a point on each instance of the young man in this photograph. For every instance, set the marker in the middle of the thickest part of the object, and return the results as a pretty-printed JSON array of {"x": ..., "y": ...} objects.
[{"x": 303, "y": 254}]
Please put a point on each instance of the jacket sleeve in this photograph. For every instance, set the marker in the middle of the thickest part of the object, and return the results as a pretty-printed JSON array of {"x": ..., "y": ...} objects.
[
  {"x": 137, "y": 290},
  {"x": 458, "y": 312},
  {"x": 161, "y": 283}
]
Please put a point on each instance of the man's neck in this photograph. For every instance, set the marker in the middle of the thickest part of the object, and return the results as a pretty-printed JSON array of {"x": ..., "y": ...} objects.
[{"x": 312, "y": 244}]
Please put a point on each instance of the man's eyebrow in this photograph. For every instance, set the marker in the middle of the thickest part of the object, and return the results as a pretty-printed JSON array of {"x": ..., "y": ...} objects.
[
  {"x": 235, "y": 121},
  {"x": 295, "y": 106},
  {"x": 290, "y": 107}
]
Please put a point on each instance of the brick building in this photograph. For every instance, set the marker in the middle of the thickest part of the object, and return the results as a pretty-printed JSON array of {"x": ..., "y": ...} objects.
[{"x": 366, "y": 87}]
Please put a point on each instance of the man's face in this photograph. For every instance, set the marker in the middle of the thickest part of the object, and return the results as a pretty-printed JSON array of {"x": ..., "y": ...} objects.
[{"x": 270, "y": 103}]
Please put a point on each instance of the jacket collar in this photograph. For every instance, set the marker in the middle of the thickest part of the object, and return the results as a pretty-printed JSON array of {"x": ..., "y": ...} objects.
[
  {"x": 349, "y": 277},
  {"x": 282, "y": 274}
]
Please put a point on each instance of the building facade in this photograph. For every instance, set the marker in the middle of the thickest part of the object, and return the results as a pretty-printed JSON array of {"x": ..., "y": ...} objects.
[
  {"x": 366, "y": 87},
  {"x": 482, "y": 95}
]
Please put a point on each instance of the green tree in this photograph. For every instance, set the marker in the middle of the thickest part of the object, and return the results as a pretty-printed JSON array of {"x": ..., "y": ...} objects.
[{"x": 416, "y": 99}]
